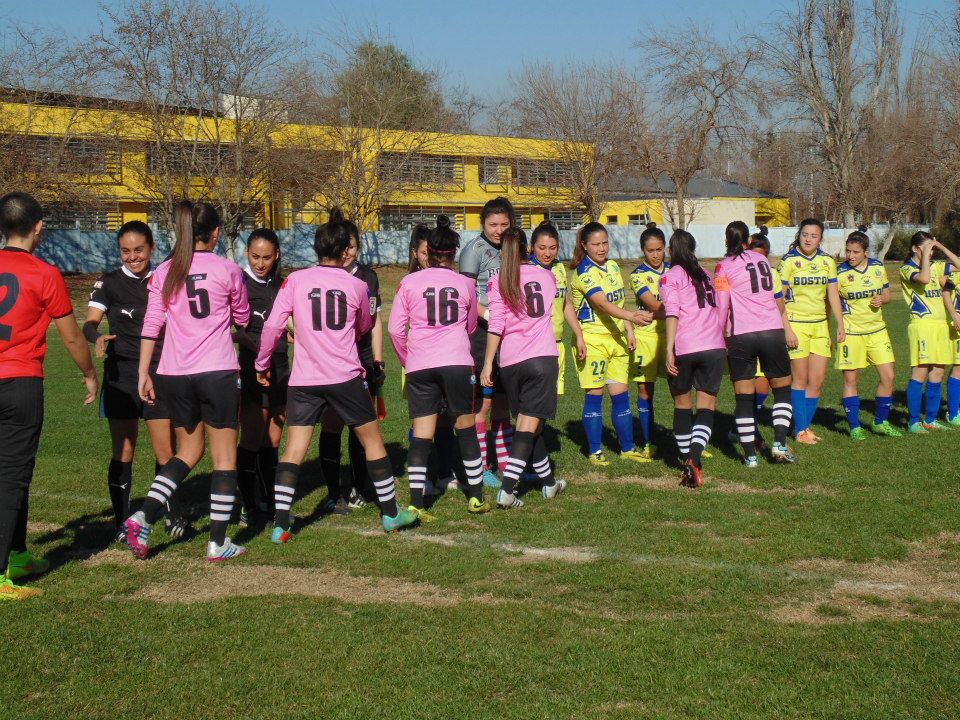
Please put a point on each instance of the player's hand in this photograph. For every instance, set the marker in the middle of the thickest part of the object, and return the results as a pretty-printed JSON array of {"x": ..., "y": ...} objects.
[
  {"x": 581, "y": 348},
  {"x": 876, "y": 301},
  {"x": 671, "y": 362},
  {"x": 486, "y": 375},
  {"x": 631, "y": 341},
  {"x": 93, "y": 387},
  {"x": 792, "y": 342},
  {"x": 264, "y": 378},
  {"x": 100, "y": 347},
  {"x": 841, "y": 334},
  {"x": 145, "y": 389},
  {"x": 956, "y": 323},
  {"x": 377, "y": 376},
  {"x": 642, "y": 318}
]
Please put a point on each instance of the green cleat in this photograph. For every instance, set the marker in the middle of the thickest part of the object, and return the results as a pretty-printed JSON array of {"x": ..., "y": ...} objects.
[
  {"x": 954, "y": 421},
  {"x": 23, "y": 564},
  {"x": 858, "y": 433},
  {"x": 403, "y": 518},
  {"x": 647, "y": 451},
  {"x": 598, "y": 459},
  {"x": 885, "y": 428},
  {"x": 634, "y": 456},
  {"x": 706, "y": 454},
  {"x": 10, "y": 591},
  {"x": 936, "y": 425},
  {"x": 476, "y": 506},
  {"x": 917, "y": 428},
  {"x": 422, "y": 514}
]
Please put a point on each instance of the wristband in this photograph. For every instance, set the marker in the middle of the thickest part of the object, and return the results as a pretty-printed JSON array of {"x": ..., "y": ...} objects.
[
  {"x": 91, "y": 333},
  {"x": 486, "y": 315}
]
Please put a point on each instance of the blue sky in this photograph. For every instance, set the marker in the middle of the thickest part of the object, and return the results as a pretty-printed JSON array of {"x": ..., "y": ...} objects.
[{"x": 478, "y": 44}]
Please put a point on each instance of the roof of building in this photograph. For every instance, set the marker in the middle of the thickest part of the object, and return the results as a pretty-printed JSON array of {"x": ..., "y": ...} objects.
[{"x": 700, "y": 187}]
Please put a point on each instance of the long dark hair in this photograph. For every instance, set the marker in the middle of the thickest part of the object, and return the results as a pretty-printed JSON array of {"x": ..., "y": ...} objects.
[
  {"x": 919, "y": 238},
  {"x": 442, "y": 242},
  {"x": 271, "y": 237},
  {"x": 807, "y": 221},
  {"x": 192, "y": 223},
  {"x": 760, "y": 241},
  {"x": 683, "y": 248},
  {"x": 737, "y": 234},
  {"x": 652, "y": 232},
  {"x": 138, "y": 227},
  {"x": 497, "y": 206},
  {"x": 333, "y": 237},
  {"x": 546, "y": 227},
  {"x": 583, "y": 234},
  {"x": 859, "y": 237},
  {"x": 417, "y": 235},
  {"x": 513, "y": 253}
]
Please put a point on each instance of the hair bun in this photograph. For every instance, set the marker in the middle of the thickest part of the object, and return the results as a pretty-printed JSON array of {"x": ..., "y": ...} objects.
[
  {"x": 764, "y": 230},
  {"x": 443, "y": 221},
  {"x": 546, "y": 223},
  {"x": 862, "y": 228},
  {"x": 651, "y": 226},
  {"x": 336, "y": 215}
]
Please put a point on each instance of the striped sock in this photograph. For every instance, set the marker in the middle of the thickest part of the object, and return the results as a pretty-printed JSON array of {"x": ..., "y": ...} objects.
[
  {"x": 417, "y": 459},
  {"x": 284, "y": 489},
  {"x": 519, "y": 454},
  {"x": 472, "y": 462},
  {"x": 682, "y": 426},
  {"x": 482, "y": 441},
  {"x": 223, "y": 494},
  {"x": 782, "y": 414},
  {"x": 746, "y": 423},
  {"x": 502, "y": 439},
  {"x": 381, "y": 473},
  {"x": 541, "y": 462},
  {"x": 164, "y": 486},
  {"x": 702, "y": 429}
]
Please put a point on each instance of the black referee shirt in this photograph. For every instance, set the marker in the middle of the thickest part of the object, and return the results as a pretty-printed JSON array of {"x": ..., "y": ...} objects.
[{"x": 122, "y": 296}]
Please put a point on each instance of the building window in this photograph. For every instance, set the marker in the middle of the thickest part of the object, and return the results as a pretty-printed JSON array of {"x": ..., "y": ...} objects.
[
  {"x": 523, "y": 217},
  {"x": 73, "y": 155},
  {"x": 418, "y": 169},
  {"x": 493, "y": 171},
  {"x": 184, "y": 159},
  {"x": 638, "y": 219},
  {"x": 405, "y": 217},
  {"x": 611, "y": 220},
  {"x": 541, "y": 174},
  {"x": 65, "y": 217},
  {"x": 566, "y": 219}
]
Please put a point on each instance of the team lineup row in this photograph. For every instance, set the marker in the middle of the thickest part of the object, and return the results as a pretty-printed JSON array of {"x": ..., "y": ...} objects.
[{"x": 170, "y": 358}]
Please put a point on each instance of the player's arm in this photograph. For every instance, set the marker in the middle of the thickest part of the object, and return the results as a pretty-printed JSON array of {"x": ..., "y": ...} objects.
[
  {"x": 954, "y": 260},
  {"x": 671, "y": 307},
  {"x": 570, "y": 316},
  {"x": 92, "y": 333},
  {"x": 598, "y": 301},
  {"x": 648, "y": 301},
  {"x": 397, "y": 325},
  {"x": 273, "y": 328},
  {"x": 922, "y": 276},
  {"x": 833, "y": 300},
  {"x": 671, "y": 337},
  {"x": 788, "y": 332},
  {"x": 76, "y": 344},
  {"x": 495, "y": 328},
  {"x": 947, "y": 294}
]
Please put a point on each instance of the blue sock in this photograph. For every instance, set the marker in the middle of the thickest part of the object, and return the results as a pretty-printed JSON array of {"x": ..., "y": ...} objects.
[
  {"x": 914, "y": 398},
  {"x": 593, "y": 421},
  {"x": 759, "y": 402},
  {"x": 932, "y": 401},
  {"x": 643, "y": 412},
  {"x": 851, "y": 406},
  {"x": 882, "y": 409},
  {"x": 811, "y": 409},
  {"x": 622, "y": 419},
  {"x": 953, "y": 397},
  {"x": 798, "y": 398}
]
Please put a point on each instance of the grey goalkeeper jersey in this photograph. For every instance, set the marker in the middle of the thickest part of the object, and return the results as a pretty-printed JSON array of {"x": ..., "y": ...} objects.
[{"x": 480, "y": 259}]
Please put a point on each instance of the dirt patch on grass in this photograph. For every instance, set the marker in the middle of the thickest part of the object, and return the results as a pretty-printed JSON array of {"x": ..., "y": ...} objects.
[
  {"x": 112, "y": 556},
  {"x": 43, "y": 527},
  {"x": 884, "y": 590},
  {"x": 524, "y": 553}
]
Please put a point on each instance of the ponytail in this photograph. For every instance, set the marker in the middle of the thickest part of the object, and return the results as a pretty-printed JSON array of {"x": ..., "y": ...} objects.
[
  {"x": 192, "y": 223},
  {"x": 583, "y": 234},
  {"x": 683, "y": 253},
  {"x": 513, "y": 253},
  {"x": 442, "y": 242},
  {"x": 738, "y": 235},
  {"x": 417, "y": 236}
]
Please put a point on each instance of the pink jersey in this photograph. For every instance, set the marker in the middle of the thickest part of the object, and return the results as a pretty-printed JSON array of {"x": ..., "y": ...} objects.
[
  {"x": 528, "y": 333},
  {"x": 747, "y": 294},
  {"x": 440, "y": 306},
  {"x": 198, "y": 317},
  {"x": 331, "y": 309},
  {"x": 699, "y": 327}
]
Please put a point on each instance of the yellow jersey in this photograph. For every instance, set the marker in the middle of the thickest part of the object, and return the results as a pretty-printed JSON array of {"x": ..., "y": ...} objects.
[
  {"x": 954, "y": 277},
  {"x": 925, "y": 301},
  {"x": 556, "y": 311},
  {"x": 643, "y": 280},
  {"x": 857, "y": 288},
  {"x": 805, "y": 281},
  {"x": 590, "y": 278}
]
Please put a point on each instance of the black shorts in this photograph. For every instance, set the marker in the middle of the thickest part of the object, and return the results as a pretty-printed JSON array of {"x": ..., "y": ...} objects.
[
  {"x": 21, "y": 420},
  {"x": 531, "y": 387},
  {"x": 252, "y": 392},
  {"x": 119, "y": 396},
  {"x": 444, "y": 389},
  {"x": 350, "y": 400},
  {"x": 211, "y": 397},
  {"x": 701, "y": 370},
  {"x": 478, "y": 350},
  {"x": 767, "y": 346}
]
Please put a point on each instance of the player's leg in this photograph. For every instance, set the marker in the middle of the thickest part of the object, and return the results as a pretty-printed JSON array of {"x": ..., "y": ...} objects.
[
  {"x": 884, "y": 400},
  {"x": 418, "y": 455},
  {"x": 457, "y": 387},
  {"x": 850, "y": 399},
  {"x": 816, "y": 375},
  {"x": 621, "y": 415},
  {"x": 528, "y": 428},
  {"x": 798, "y": 398},
  {"x": 702, "y": 425},
  {"x": 745, "y": 418},
  {"x": 782, "y": 416},
  {"x": 253, "y": 423},
  {"x": 501, "y": 424},
  {"x": 647, "y": 361},
  {"x": 299, "y": 439},
  {"x": 645, "y": 415},
  {"x": 932, "y": 395},
  {"x": 918, "y": 376},
  {"x": 682, "y": 420},
  {"x": 223, "y": 491},
  {"x": 269, "y": 456},
  {"x": 592, "y": 374},
  {"x": 953, "y": 394},
  {"x": 163, "y": 440},
  {"x": 331, "y": 430},
  {"x": 123, "y": 440}
]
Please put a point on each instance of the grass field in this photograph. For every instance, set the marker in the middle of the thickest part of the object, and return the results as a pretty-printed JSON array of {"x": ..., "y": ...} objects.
[{"x": 829, "y": 589}]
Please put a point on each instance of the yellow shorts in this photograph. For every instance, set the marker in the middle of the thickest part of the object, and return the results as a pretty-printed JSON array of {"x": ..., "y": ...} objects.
[
  {"x": 562, "y": 360},
  {"x": 859, "y": 351},
  {"x": 648, "y": 359},
  {"x": 607, "y": 362},
  {"x": 930, "y": 343},
  {"x": 813, "y": 338}
]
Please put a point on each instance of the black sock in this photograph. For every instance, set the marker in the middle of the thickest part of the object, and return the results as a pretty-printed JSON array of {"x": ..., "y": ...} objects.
[
  {"x": 472, "y": 459},
  {"x": 417, "y": 458},
  {"x": 359, "y": 477},
  {"x": 682, "y": 427},
  {"x": 381, "y": 473},
  {"x": 520, "y": 451},
  {"x": 223, "y": 494},
  {"x": 284, "y": 488},
  {"x": 119, "y": 477},
  {"x": 540, "y": 461},
  {"x": 18, "y": 543},
  {"x": 702, "y": 429},
  {"x": 267, "y": 459},
  {"x": 445, "y": 443},
  {"x": 782, "y": 413},
  {"x": 247, "y": 478},
  {"x": 330, "y": 462},
  {"x": 164, "y": 487},
  {"x": 745, "y": 418}
]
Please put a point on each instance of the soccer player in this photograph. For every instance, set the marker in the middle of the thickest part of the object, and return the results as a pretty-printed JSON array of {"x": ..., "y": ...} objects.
[
  {"x": 809, "y": 277},
  {"x": 597, "y": 294},
  {"x": 262, "y": 410},
  {"x": 864, "y": 291},
  {"x": 545, "y": 244},
  {"x": 755, "y": 321},
  {"x": 759, "y": 242},
  {"x": 197, "y": 296},
  {"x": 433, "y": 316},
  {"x": 121, "y": 296},
  {"x": 480, "y": 260},
  {"x": 32, "y": 293},
  {"x": 648, "y": 357},
  {"x": 951, "y": 300},
  {"x": 922, "y": 280},
  {"x": 330, "y": 309},
  {"x": 356, "y": 491},
  {"x": 695, "y": 351},
  {"x": 521, "y": 331}
]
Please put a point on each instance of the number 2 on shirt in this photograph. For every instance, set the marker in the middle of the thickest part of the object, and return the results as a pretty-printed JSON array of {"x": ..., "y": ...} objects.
[{"x": 12, "y": 285}]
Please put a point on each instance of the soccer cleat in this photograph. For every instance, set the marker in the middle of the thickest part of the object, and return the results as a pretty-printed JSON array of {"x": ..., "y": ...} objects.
[
  {"x": 733, "y": 437},
  {"x": 815, "y": 436},
  {"x": 936, "y": 425},
  {"x": 490, "y": 479},
  {"x": 243, "y": 520},
  {"x": 858, "y": 433},
  {"x": 357, "y": 501},
  {"x": 885, "y": 428},
  {"x": 634, "y": 456},
  {"x": 918, "y": 428},
  {"x": 805, "y": 437},
  {"x": 476, "y": 506},
  {"x": 598, "y": 459},
  {"x": 403, "y": 518},
  {"x": 422, "y": 514},
  {"x": 179, "y": 527},
  {"x": 691, "y": 476},
  {"x": 121, "y": 536},
  {"x": 138, "y": 534},
  {"x": 342, "y": 507},
  {"x": 686, "y": 476},
  {"x": 780, "y": 453},
  {"x": 10, "y": 591},
  {"x": 220, "y": 553},
  {"x": 328, "y": 505},
  {"x": 281, "y": 536},
  {"x": 508, "y": 501},
  {"x": 23, "y": 564},
  {"x": 647, "y": 451},
  {"x": 551, "y": 491},
  {"x": 751, "y": 461},
  {"x": 954, "y": 421},
  {"x": 706, "y": 454}
]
